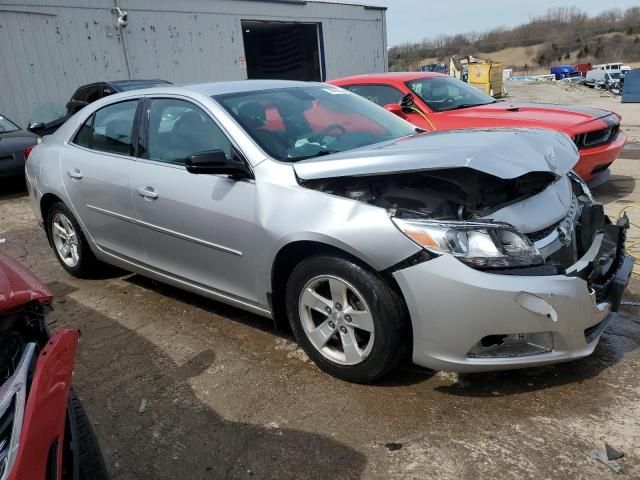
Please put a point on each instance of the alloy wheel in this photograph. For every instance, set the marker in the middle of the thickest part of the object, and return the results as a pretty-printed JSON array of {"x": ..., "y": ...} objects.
[
  {"x": 65, "y": 240},
  {"x": 336, "y": 320}
]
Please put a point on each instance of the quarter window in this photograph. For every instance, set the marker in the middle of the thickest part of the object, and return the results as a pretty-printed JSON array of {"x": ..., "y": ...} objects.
[
  {"x": 179, "y": 129},
  {"x": 109, "y": 129},
  {"x": 380, "y": 94}
]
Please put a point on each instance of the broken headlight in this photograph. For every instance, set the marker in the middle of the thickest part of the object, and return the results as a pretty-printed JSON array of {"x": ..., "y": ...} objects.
[
  {"x": 13, "y": 398},
  {"x": 478, "y": 244}
]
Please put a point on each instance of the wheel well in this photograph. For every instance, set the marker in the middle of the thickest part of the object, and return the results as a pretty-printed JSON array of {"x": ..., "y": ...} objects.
[
  {"x": 45, "y": 204},
  {"x": 290, "y": 256}
]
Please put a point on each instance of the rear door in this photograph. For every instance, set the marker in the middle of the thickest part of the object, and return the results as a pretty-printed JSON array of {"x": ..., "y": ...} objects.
[
  {"x": 96, "y": 168},
  {"x": 195, "y": 227}
]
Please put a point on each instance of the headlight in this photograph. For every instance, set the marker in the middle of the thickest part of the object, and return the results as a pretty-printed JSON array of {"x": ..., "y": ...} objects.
[
  {"x": 13, "y": 398},
  {"x": 479, "y": 244},
  {"x": 583, "y": 185}
]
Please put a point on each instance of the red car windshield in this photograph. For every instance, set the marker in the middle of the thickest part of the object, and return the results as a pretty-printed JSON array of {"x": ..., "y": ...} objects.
[
  {"x": 444, "y": 93},
  {"x": 297, "y": 123}
]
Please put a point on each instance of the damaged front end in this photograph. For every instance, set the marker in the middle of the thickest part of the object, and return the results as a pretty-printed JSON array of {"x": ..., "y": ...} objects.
[{"x": 528, "y": 250}]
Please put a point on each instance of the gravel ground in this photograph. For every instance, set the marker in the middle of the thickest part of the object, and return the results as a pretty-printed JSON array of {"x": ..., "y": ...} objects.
[{"x": 229, "y": 396}]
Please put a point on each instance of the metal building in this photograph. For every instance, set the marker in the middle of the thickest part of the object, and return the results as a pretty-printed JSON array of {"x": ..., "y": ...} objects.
[{"x": 47, "y": 51}]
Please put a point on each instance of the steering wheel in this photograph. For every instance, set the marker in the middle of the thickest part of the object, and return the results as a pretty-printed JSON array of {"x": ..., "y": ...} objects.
[{"x": 327, "y": 133}]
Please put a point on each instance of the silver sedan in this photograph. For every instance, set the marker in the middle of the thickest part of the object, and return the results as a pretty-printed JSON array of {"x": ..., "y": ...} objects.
[{"x": 465, "y": 251}]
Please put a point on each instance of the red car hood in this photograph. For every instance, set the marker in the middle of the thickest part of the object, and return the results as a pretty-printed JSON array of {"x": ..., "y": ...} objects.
[
  {"x": 19, "y": 286},
  {"x": 505, "y": 114}
]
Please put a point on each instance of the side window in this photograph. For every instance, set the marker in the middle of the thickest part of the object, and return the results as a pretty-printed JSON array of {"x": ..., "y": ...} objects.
[
  {"x": 380, "y": 94},
  {"x": 94, "y": 93},
  {"x": 178, "y": 129},
  {"x": 83, "y": 137},
  {"x": 109, "y": 129},
  {"x": 81, "y": 94}
]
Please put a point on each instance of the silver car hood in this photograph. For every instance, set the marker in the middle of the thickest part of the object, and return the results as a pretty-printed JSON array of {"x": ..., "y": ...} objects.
[{"x": 505, "y": 153}]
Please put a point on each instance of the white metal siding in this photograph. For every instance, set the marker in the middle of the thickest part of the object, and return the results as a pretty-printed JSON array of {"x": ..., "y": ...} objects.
[{"x": 46, "y": 52}]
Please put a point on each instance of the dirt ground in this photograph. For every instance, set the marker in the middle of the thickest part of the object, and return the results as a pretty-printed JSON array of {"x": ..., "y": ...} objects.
[{"x": 229, "y": 396}]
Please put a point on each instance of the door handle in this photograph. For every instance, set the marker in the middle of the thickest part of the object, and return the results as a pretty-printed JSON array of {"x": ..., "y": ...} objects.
[
  {"x": 147, "y": 192},
  {"x": 75, "y": 174}
]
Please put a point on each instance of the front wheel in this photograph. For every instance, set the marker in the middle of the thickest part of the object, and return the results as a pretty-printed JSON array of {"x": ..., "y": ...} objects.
[{"x": 346, "y": 318}]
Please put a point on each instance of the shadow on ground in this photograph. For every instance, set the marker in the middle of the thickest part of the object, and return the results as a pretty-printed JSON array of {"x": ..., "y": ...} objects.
[
  {"x": 177, "y": 436},
  {"x": 617, "y": 187}
]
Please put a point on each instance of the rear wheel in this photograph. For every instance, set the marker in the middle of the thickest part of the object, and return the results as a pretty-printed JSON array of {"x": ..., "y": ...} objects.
[
  {"x": 69, "y": 243},
  {"x": 346, "y": 318}
]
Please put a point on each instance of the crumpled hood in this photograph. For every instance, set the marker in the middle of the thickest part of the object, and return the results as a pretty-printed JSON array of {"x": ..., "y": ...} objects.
[
  {"x": 19, "y": 286},
  {"x": 504, "y": 153},
  {"x": 509, "y": 114}
]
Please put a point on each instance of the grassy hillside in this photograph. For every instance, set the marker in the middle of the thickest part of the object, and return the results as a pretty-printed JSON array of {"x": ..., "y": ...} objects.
[{"x": 562, "y": 35}]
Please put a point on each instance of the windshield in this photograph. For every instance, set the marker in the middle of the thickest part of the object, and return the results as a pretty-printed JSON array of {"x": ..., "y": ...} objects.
[
  {"x": 7, "y": 125},
  {"x": 615, "y": 76},
  {"x": 447, "y": 93},
  {"x": 297, "y": 123}
]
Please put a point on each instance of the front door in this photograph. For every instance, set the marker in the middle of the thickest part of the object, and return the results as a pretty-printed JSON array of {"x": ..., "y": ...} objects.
[
  {"x": 96, "y": 171},
  {"x": 200, "y": 228}
]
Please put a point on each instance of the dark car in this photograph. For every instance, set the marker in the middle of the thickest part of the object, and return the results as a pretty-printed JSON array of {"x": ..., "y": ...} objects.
[
  {"x": 88, "y": 94},
  {"x": 44, "y": 431},
  {"x": 13, "y": 141}
]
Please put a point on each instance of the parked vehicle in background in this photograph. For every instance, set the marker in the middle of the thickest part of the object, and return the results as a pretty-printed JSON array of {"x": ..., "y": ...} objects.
[
  {"x": 13, "y": 141},
  {"x": 583, "y": 68},
  {"x": 44, "y": 431},
  {"x": 612, "y": 67},
  {"x": 87, "y": 94},
  {"x": 306, "y": 201},
  {"x": 564, "y": 71},
  {"x": 604, "y": 79},
  {"x": 436, "y": 102}
]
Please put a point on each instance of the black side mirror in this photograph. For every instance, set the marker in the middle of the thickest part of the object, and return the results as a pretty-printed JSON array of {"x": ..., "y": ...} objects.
[
  {"x": 215, "y": 162},
  {"x": 36, "y": 127},
  {"x": 407, "y": 103}
]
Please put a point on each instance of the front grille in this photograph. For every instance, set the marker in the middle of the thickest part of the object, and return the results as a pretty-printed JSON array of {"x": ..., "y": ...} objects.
[
  {"x": 597, "y": 137},
  {"x": 540, "y": 234}
]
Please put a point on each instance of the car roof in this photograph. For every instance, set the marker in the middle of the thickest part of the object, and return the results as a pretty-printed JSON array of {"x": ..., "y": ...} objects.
[
  {"x": 239, "y": 86},
  {"x": 390, "y": 76},
  {"x": 129, "y": 83}
]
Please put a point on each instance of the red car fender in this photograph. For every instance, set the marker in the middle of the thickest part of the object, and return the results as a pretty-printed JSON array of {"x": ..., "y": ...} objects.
[{"x": 46, "y": 408}]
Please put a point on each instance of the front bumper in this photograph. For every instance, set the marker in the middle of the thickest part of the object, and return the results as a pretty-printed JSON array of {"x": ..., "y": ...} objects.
[
  {"x": 596, "y": 160},
  {"x": 453, "y": 307}
]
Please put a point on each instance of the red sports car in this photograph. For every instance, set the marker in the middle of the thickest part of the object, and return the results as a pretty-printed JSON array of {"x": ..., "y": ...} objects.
[
  {"x": 434, "y": 101},
  {"x": 44, "y": 432}
]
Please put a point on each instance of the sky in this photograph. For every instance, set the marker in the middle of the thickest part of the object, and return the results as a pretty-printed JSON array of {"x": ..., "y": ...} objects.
[{"x": 413, "y": 20}]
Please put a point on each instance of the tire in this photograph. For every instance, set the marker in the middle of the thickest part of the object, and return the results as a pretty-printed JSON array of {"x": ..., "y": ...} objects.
[
  {"x": 86, "y": 265},
  {"x": 374, "y": 305},
  {"x": 86, "y": 462}
]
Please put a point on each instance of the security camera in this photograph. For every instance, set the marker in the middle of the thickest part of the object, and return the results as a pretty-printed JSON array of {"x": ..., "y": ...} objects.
[{"x": 122, "y": 17}]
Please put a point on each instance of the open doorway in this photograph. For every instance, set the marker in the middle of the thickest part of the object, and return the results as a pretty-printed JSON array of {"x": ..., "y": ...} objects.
[{"x": 286, "y": 51}]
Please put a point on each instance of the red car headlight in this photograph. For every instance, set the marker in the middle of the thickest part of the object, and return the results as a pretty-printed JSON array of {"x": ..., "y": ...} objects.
[{"x": 13, "y": 398}]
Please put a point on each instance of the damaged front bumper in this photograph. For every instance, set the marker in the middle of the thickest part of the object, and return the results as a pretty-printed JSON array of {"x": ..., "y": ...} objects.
[{"x": 469, "y": 320}]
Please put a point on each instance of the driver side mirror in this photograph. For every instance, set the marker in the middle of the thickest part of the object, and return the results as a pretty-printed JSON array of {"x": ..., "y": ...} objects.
[
  {"x": 215, "y": 162},
  {"x": 396, "y": 109},
  {"x": 35, "y": 127}
]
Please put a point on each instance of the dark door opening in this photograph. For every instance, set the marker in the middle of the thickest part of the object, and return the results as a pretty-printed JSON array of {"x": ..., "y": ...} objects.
[{"x": 286, "y": 51}]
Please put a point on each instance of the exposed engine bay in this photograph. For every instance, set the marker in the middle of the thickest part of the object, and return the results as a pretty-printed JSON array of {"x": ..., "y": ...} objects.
[
  {"x": 442, "y": 194},
  {"x": 17, "y": 330}
]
